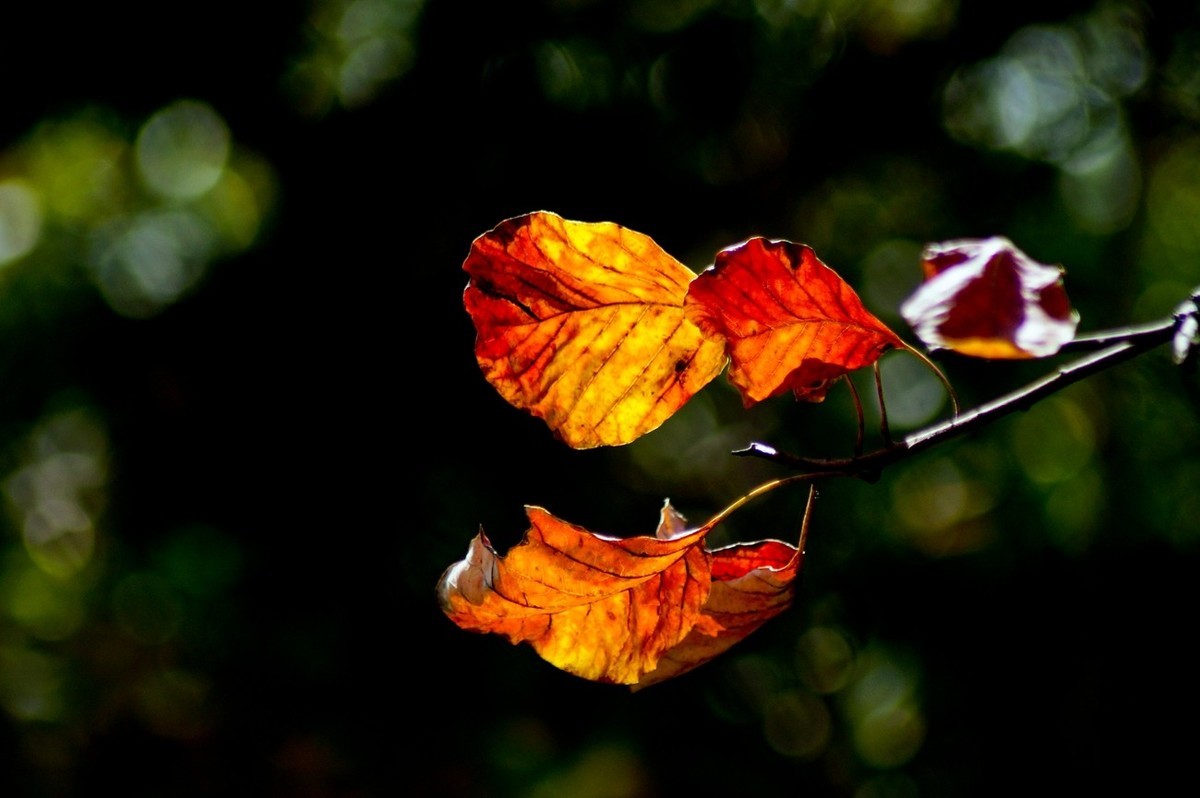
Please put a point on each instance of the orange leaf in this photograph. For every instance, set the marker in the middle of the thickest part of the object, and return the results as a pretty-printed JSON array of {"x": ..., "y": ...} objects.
[
  {"x": 632, "y": 611},
  {"x": 582, "y": 325},
  {"x": 751, "y": 584},
  {"x": 790, "y": 322},
  {"x": 986, "y": 298}
]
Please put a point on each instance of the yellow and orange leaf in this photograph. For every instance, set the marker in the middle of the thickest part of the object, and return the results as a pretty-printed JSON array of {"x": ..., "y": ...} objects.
[
  {"x": 986, "y": 298},
  {"x": 789, "y": 321},
  {"x": 632, "y": 611},
  {"x": 582, "y": 325}
]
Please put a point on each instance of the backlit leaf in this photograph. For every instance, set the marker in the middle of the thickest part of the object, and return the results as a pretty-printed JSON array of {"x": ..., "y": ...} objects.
[
  {"x": 751, "y": 584},
  {"x": 986, "y": 298},
  {"x": 633, "y": 611},
  {"x": 582, "y": 325},
  {"x": 789, "y": 321}
]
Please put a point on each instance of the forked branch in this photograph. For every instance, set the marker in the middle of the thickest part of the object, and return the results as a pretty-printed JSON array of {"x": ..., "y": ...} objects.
[{"x": 1109, "y": 348}]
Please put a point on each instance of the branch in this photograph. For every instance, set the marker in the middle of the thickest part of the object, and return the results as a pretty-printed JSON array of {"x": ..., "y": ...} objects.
[{"x": 1115, "y": 346}]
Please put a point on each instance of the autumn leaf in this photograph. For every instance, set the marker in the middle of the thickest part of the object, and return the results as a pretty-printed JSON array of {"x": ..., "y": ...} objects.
[
  {"x": 789, "y": 321},
  {"x": 986, "y": 298},
  {"x": 633, "y": 611},
  {"x": 582, "y": 325},
  {"x": 751, "y": 584}
]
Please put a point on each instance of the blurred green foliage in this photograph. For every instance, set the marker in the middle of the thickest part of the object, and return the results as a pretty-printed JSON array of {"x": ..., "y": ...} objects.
[{"x": 242, "y": 431}]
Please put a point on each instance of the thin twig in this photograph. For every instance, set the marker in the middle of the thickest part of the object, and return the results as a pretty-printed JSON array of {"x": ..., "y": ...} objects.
[
  {"x": 808, "y": 506},
  {"x": 858, "y": 410},
  {"x": 941, "y": 375},
  {"x": 1100, "y": 340},
  {"x": 884, "y": 431}
]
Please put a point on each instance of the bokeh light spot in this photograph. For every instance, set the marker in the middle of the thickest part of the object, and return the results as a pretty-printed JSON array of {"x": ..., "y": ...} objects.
[
  {"x": 20, "y": 220},
  {"x": 174, "y": 703},
  {"x": 1054, "y": 440},
  {"x": 845, "y": 218},
  {"x": 1054, "y": 94},
  {"x": 1101, "y": 183},
  {"x": 748, "y": 685},
  {"x": 1074, "y": 508},
  {"x": 825, "y": 659},
  {"x": 689, "y": 457},
  {"x": 59, "y": 536},
  {"x": 889, "y": 736},
  {"x": 888, "y": 24},
  {"x": 359, "y": 47},
  {"x": 233, "y": 209},
  {"x": 370, "y": 66},
  {"x": 182, "y": 149},
  {"x": 374, "y": 36},
  {"x": 146, "y": 262},
  {"x": 31, "y": 684},
  {"x": 781, "y": 13},
  {"x": 55, "y": 494},
  {"x": 887, "y": 723},
  {"x": 797, "y": 724},
  {"x": 1181, "y": 75},
  {"x": 1172, "y": 207},
  {"x": 147, "y": 218},
  {"x": 78, "y": 167},
  {"x": 931, "y": 504},
  {"x": 48, "y": 608},
  {"x": 913, "y": 392},
  {"x": 891, "y": 272},
  {"x": 602, "y": 771},
  {"x": 1160, "y": 298},
  {"x": 363, "y": 20},
  {"x": 576, "y": 73}
]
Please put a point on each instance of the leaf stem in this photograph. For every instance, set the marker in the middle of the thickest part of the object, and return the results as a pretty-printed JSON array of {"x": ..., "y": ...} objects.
[
  {"x": 884, "y": 431},
  {"x": 858, "y": 411},
  {"x": 765, "y": 488},
  {"x": 941, "y": 375},
  {"x": 808, "y": 505}
]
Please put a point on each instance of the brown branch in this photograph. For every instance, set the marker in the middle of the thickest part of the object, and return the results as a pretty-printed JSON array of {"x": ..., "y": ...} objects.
[
  {"x": 1093, "y": 341},
  {"x": 1115, "y": 346}
]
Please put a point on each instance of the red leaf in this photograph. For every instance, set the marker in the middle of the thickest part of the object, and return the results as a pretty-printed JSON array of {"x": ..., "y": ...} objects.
[
  {"x": 986, "y": 298},
  {"x": 789, "y": 321},
  {"x": 751, "y": 584},
  {"x": 634, "y": 611}
]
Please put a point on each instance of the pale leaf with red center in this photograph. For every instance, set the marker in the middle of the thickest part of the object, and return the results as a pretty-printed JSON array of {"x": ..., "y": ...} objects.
[
  {"x": 632, "y": 611},
  {"x": 582, "y": 325},
  {"x": 985, "y": 298},
  {"x": 790, "y": 322}
]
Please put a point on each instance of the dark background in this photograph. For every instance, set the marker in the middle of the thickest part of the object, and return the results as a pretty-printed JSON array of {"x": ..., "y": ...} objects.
[{"x": 254, "y": 483}]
